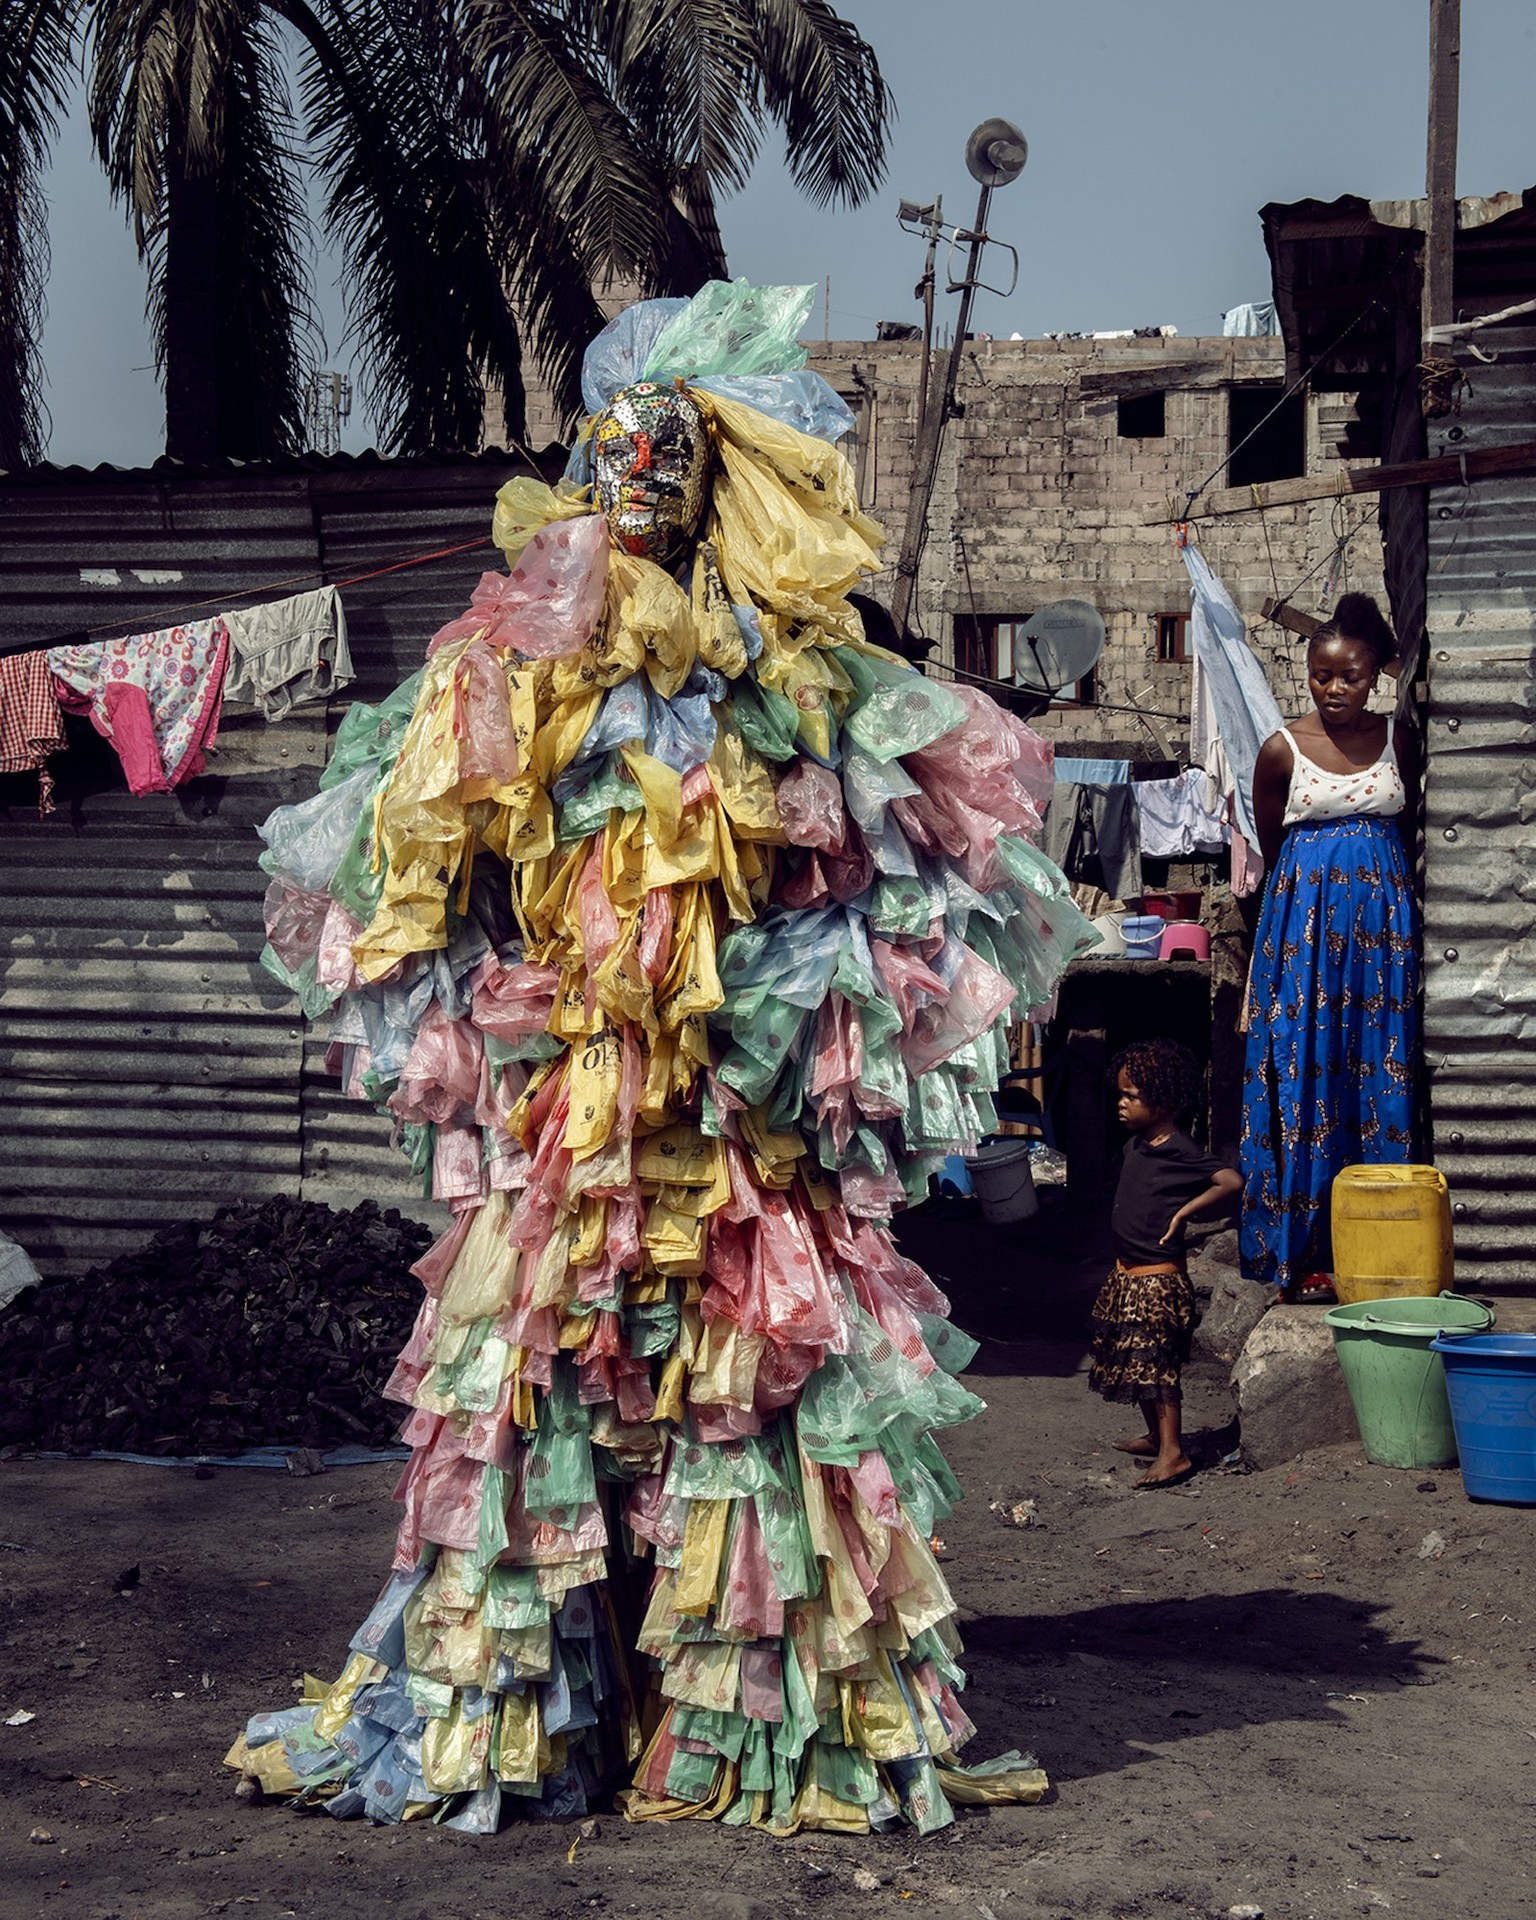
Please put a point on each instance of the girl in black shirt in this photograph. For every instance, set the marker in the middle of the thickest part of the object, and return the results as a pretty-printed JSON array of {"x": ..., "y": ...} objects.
[{"x": 1145, "y": 1313}]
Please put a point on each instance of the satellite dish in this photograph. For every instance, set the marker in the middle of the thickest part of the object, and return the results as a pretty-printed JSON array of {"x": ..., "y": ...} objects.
[
  {"x": 995, "y": 153},
  {"x": 1057, "y": 647}
]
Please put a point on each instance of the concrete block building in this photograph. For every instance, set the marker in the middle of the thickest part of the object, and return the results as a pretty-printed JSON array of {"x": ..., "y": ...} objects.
[{"x": 1046, "y": 482}]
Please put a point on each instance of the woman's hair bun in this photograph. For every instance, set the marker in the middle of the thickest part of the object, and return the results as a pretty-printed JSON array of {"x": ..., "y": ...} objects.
[{"x": 1357, "y": 617}]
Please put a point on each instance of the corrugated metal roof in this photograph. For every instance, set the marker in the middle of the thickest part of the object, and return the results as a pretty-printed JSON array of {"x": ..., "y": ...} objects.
[
  {"x": 115, "y": 551},
  {"x": 1480, "y": 842}
]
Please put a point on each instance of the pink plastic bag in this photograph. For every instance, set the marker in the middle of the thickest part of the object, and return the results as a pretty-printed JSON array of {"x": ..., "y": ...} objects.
[
  {"x": 811, "y": 806},
  {"x": 548, "y": 605},
  {"x": 295, "y": 920},
  {"x": 978, "y": 993},
  {"x": 458, "y": 1170},
  {"x": 991, "y": 775},
  {"x": 482, "y": 719},
  {"x": 510, "y": 1003},
  {"x": 440, "y": 1081},
  {"x": 334, "y": 965}
]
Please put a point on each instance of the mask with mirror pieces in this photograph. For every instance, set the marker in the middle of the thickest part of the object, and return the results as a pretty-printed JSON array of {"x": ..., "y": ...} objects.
[{"x": 650, "y": 452}]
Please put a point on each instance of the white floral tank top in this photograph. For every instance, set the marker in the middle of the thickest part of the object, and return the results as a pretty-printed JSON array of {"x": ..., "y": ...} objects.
[{"x": 1317, "y": 794}]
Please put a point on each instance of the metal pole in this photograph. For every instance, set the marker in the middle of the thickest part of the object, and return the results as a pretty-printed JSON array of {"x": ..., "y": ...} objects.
[{"x": 935, "y": 417}]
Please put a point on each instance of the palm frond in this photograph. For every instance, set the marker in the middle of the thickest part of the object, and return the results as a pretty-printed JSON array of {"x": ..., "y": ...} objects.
[
  {"x": 191, "y": 114},
  {"x": 685, "y": 72},
  {"x": 393, "y": 137},
  {"x": 38, "y": 46},
  {"x": 548, "y": 114},
  {"x": 822, "y": 83}
]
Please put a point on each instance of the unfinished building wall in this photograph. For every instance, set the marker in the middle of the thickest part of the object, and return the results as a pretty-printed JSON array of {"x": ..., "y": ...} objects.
[{"x": 1063, "y": 449}]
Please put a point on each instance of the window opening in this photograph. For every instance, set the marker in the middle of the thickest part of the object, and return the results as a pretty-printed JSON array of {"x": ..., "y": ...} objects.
[
  {"x": 991, "y": 646},
  {"x": 1278, "y": 449},
  {"x": 1141, "y": 416},
  {"x": 1173, "y": 638}
]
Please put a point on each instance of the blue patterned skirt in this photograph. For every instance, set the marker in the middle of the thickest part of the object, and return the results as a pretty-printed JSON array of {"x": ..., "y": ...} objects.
[{"x": 1333, "y": 1037}]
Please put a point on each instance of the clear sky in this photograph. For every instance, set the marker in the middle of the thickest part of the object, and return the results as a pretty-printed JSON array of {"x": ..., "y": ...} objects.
[{"x": 1156, "y": 132}]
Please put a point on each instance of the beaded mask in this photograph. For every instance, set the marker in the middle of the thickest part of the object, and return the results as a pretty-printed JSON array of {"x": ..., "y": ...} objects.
[{"x": 650, "y": 453}]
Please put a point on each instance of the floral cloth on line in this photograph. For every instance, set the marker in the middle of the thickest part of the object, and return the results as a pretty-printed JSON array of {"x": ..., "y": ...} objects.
[{"x": 155, "y": 696}]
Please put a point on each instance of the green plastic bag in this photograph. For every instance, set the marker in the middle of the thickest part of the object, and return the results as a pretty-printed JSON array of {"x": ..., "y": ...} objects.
[
  {"x": 587, "y": 811},
  {"x": 767, "y": 718},
  {"x": 313, "y": 998},
  {"x": 372, "y": 736},
  {"x": 355, "y": 884},
  {"x": 732, "y": 327},
  {"x": 559, "y": 1477},
  {"x": 895, "y": 709}
]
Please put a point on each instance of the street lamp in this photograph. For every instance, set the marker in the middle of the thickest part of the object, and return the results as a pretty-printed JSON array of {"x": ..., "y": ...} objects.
[{"x": 994, "y": 155}]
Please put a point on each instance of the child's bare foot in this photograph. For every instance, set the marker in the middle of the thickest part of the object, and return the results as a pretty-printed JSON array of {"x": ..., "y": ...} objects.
[
  {"x": 1167, "y": 1473},
  {"x": 1138, "y": 1443}
]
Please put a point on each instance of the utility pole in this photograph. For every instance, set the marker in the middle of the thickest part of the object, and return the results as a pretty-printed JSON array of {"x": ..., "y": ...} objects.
[
  {"x": 1438, "y": 309},
  {"x": 994, "y": 156}
]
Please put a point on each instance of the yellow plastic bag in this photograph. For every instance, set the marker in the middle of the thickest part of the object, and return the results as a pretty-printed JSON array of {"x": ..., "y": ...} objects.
[{"x": 525, "y": 505}]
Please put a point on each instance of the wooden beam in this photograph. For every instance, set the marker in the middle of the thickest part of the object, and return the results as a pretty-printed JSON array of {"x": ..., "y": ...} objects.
[
  {"x": 1166, "y": 374},
  {"x": 1285, "y": 615},
  {"x": 1440, "y": 164},
  {"x": 1448, "y": 470}
]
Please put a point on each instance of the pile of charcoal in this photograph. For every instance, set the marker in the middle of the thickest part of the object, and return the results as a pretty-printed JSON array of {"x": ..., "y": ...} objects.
[{"x": 272, "y": 1324}]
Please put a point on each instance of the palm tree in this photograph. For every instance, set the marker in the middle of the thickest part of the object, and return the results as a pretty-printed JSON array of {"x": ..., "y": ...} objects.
[
  {"x": 485, "y": 164},
  {"x": 37, "y": 53}
]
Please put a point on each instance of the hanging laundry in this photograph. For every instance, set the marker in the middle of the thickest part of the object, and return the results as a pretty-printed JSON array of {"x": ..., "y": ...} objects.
[
  {"x": 1246, "y": 714},
  {"x": 287, "y": 652},
  {"x": 1251, "y": 317},
  {"x": 1091, "y": 834},
  {"x": 1247, "y": 867},
  {"x": 1173, "y": 818},
  {"x": 1207, "y": 751},
  {"x": 155, "y": 696},
  {"x": 1093, "y": 773},
  {"x": 31, "y": 725}
]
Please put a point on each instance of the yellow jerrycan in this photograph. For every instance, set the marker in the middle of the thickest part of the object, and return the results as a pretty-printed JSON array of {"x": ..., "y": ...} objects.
[{"x": 1391, "y": 1232}]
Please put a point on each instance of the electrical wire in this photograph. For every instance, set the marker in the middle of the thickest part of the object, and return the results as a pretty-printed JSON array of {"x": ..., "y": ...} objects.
[
  {"x": 1096, "y": 706},
  {"x": 1300, "y": 381}
]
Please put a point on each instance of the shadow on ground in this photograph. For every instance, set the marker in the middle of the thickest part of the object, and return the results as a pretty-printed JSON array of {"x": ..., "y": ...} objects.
[{"x": 1128, "y": 1676}]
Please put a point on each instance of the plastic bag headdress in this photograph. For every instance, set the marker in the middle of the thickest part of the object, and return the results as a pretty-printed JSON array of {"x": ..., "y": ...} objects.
[{"x": 647, "y": 445}]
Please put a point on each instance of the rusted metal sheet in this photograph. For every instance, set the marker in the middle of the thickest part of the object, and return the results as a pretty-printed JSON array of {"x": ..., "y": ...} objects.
[
  {"x": 371, "y": 519},
  {"x": 150, "y": 1070},
  {"x": 1480, "y": 846}
]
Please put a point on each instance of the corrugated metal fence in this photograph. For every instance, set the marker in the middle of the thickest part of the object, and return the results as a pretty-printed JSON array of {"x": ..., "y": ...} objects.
[
  {"x": 1480, "y": 831},
  {"x": 149, "y": 1069}
]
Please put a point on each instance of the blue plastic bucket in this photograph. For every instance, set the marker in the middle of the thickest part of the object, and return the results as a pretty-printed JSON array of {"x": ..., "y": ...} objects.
[
  {"x": 1490, "y": 1379},
  {"x": 1142, "y": 934}
]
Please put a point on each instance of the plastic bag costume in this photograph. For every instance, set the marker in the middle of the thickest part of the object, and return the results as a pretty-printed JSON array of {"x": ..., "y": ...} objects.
[{"x": 674, "y": 925}]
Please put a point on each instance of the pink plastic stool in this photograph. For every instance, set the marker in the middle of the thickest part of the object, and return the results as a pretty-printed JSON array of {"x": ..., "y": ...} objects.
[{"x": 1184, "y": 940}]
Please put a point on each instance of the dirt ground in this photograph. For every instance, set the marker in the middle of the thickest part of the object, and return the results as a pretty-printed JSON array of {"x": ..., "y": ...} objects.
[{"x": 1270, "y": 1691}]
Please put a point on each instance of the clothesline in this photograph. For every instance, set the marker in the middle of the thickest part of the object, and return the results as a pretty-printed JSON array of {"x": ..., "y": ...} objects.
[
  {"x": 1099, "y": 706},
  {"x": 147, "y": 622}
]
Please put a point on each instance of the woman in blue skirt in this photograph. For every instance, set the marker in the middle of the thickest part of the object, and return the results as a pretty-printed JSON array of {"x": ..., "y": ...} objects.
[{"x": 1333, "y": 1035}]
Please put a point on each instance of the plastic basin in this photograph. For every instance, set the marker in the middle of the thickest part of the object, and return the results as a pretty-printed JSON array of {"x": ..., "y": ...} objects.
[
  {"x": 1491, "y": 1381},
  {"x": 1394, "y": 1375}
]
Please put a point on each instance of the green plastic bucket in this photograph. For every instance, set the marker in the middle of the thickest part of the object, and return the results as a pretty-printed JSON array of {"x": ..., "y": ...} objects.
[{"x": 1396, "y": 1382}]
